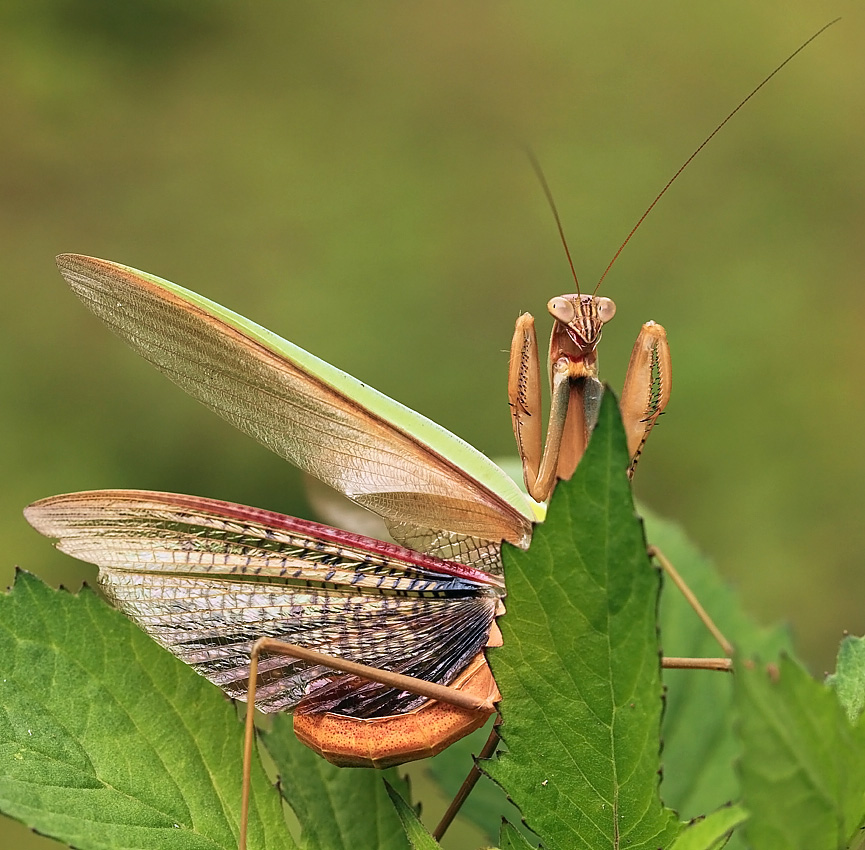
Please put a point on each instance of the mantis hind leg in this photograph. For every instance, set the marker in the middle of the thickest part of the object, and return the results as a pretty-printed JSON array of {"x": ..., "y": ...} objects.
[
  {"x": 673, "y": 574},
  {"x": 472, "y": 699}
]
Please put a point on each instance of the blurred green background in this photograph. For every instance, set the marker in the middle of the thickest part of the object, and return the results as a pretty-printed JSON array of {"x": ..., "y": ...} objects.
[{"x": 352, "y": 177}]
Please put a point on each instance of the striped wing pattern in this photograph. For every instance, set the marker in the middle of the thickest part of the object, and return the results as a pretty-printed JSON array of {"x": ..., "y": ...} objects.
[{"x": 207, "y": 578}]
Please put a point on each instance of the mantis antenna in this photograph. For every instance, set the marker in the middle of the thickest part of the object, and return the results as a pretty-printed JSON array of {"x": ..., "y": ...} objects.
[
  {"x": 551, "y": 201},
  {"x": 705, "y": 142},
  {"x": 549, "y": 195}
]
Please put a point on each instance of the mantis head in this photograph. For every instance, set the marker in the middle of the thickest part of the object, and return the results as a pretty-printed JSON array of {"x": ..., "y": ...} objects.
[{"x": 582, "y": 317}]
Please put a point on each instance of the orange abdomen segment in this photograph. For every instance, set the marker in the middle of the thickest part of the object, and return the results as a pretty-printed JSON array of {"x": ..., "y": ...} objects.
[{"x": 387, "y": 741}]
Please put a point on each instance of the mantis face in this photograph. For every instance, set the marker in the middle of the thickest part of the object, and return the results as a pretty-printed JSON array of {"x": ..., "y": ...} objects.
[{"x": 582, "y": 318}]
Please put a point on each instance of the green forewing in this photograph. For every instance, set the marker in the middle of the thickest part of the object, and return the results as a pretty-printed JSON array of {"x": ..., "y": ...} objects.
[{"x": 436, "y": 493}]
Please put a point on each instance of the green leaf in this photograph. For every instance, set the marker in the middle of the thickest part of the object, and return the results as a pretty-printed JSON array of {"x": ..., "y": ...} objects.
[
  {"x": 802, "y": 768},
  {"x": 712, "y": 831},
  {"x": 700, "y": 747},
  {"x": 487, "y": 804},
  {"x": 513, "y": 839},
  {"x": 107, "y": 741},
  {"x": 848, "y": 680},
  {"x": 579, "y": 669},
  {"x": 339, "y": 808},
  {"x": 418, "y": 837}
]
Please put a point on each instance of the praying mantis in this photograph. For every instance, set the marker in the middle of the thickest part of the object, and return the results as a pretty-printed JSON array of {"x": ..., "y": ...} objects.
[{"x": 378, "y": 647}]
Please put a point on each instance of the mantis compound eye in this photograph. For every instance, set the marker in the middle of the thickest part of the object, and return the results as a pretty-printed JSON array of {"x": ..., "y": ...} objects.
[
  {"x": 606, "y": 309},
  {"x": 562, "y": 309}
]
